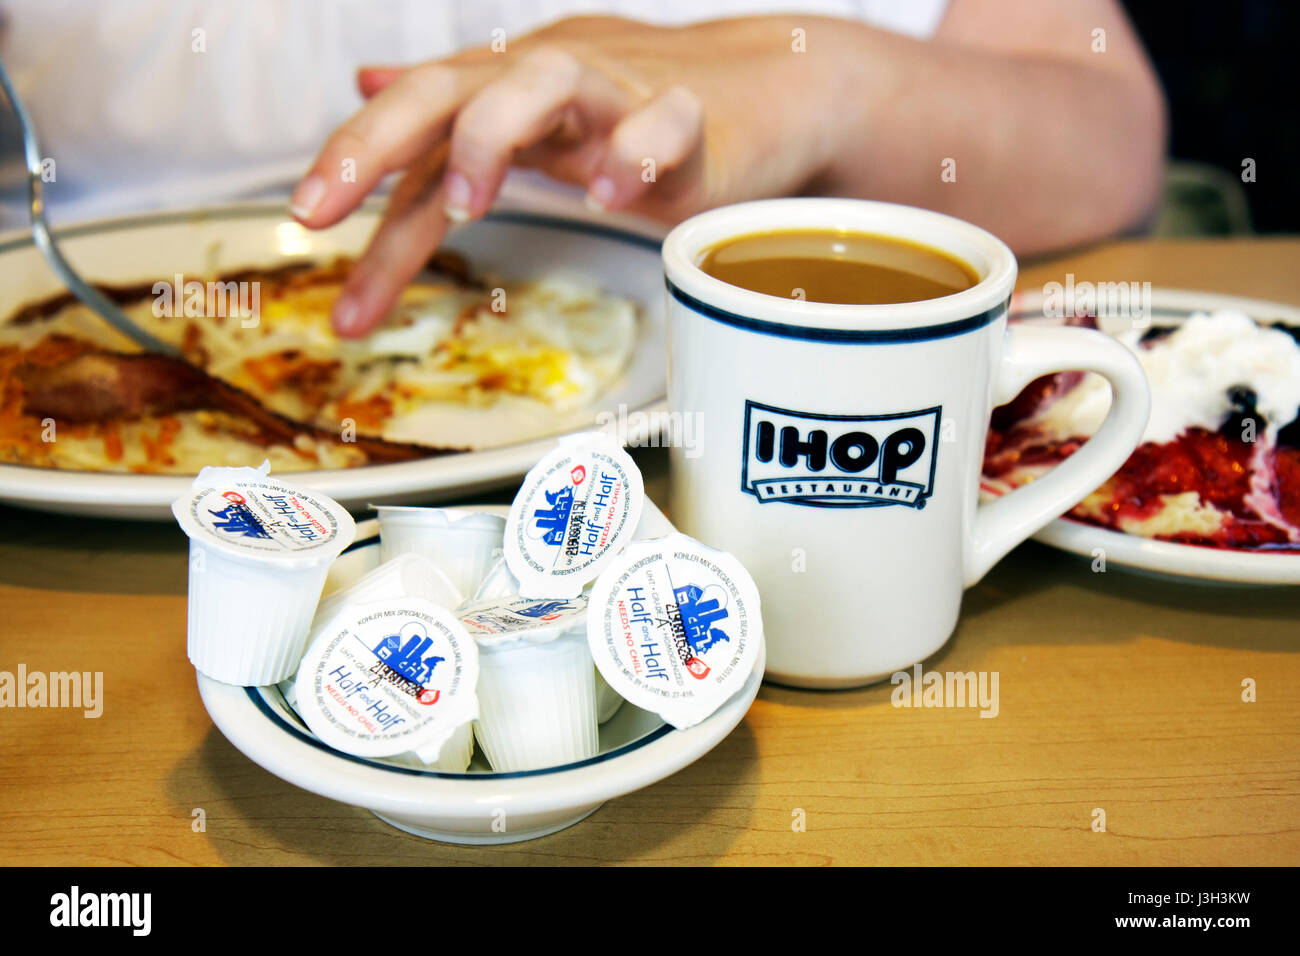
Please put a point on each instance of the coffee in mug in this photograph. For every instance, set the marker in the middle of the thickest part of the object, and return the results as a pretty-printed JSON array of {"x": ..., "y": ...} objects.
[
  {"x": 833, "y": 265},
  {"x": 840, "y": 440}
]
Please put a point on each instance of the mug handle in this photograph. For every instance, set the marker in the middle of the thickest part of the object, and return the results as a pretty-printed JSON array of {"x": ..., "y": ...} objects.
[{"x": 1029, "y": 352}]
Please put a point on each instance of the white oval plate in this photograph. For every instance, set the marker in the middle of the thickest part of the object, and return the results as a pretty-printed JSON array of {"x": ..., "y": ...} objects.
[
  {"x": 205, "y": 242},
  {"x": 1163, "y": 558},
  {"x": 636, "y": 749}
]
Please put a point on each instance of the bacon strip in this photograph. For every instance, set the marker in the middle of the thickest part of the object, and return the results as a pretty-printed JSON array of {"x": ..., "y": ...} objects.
[{"x": 105, "y": 386}]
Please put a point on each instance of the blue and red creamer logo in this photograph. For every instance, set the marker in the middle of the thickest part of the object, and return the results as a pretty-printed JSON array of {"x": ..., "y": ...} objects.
[
  {"x": 699, "y": 614},
  {"x": 409, "y": 660},
  {"x": 554, "y": 521},
  {"x": 545, "y": 610},
  {"x": 238, "y": 518},
  {"x": 699, "y": 610}
]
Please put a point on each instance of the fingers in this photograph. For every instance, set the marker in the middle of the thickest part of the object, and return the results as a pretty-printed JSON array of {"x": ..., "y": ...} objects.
[
  {"x": 525, "y": 105},
  {"x": 374, "y": 79},
  {"x": 401, "y": 123},
  {"x": 547, "y": 106},
  {"x": 411, "y": 229},
  {"x": 660, "y": 136}
]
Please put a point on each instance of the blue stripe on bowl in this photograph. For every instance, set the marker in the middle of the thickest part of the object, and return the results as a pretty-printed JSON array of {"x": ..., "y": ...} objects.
[{"x": 255, "y": 695}]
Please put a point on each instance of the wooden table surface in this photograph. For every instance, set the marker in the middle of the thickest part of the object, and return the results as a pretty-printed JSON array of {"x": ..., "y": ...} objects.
[{"x": 1117, "y": 693}]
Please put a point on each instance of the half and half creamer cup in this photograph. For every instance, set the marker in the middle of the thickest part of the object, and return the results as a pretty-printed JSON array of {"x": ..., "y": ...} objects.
[
  {"x": 607, "y": 700},
  {"x": 455, "y": 756},
  {"x": 500, "y": 584},
  {"x": 462, "y": 543},
  {"x": 407, "y": 575},
  {"x": 653, "y": 524},
  {"x": 390, "y": 677},
  {"x": 497, "y": 583},
  {"x": 577, "y": 509},
  {"x": 675, "y": 627},
  {"x": 537, "y": 698},
  {"x": 259, "y": 553}
]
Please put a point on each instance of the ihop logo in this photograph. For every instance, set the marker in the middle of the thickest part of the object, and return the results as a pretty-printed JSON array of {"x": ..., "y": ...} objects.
[{"x": 839, "y": 461}]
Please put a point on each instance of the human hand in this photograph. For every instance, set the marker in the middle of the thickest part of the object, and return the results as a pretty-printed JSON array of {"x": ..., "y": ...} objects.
[{"x": 660, "y": 121}]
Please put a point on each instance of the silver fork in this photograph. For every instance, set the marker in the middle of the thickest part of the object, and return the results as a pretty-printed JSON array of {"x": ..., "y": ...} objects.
[{"x": 91, "y": 297}]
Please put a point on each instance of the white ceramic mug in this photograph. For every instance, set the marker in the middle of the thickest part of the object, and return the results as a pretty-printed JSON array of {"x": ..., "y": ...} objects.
[{"x": 839, "y": 447}]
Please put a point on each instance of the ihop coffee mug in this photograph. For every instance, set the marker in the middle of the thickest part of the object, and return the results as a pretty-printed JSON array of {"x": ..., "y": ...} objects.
[{"x": 839, "y": 447}]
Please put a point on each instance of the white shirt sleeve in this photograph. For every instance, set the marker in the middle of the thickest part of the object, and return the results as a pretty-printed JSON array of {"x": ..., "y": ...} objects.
[{"x": 147, "y": 104}]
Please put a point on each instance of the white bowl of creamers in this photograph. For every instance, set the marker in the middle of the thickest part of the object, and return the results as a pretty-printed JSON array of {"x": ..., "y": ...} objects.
[{"x": 445, "y": 680}]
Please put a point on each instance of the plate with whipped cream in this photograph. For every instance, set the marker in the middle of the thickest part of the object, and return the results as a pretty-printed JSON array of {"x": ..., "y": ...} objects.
[{"x": 1213, "y": 490}]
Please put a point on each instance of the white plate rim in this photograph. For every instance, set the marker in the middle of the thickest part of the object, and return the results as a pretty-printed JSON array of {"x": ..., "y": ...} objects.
[{"x": 1165, "y": 557}]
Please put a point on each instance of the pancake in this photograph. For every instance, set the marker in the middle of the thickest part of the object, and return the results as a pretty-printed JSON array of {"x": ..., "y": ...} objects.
[{"x": 459, "y": 364}]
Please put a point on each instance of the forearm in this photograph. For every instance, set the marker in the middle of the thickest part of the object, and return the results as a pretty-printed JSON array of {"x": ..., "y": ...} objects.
[{"x": 1044, "y": 152}]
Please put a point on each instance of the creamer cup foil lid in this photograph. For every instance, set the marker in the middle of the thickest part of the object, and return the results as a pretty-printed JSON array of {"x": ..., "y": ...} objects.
[
  {"x": 247, "y": 515},
  {"x": 578, "y": 507},
  {"x": 497, "y": 622},
  {"x": 675, "y": 627},
  {"x": 389, "y": 677}
]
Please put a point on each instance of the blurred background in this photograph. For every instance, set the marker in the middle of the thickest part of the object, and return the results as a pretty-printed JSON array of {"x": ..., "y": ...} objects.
[
  {"x": 1228, "y": 70},
  {"x": 1229, "y": 73}
]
